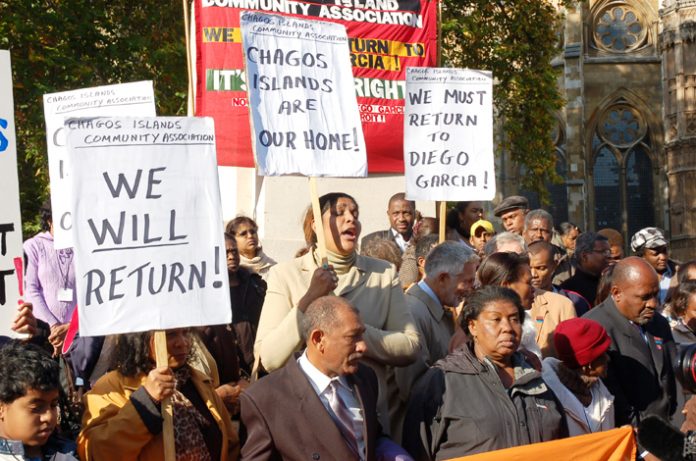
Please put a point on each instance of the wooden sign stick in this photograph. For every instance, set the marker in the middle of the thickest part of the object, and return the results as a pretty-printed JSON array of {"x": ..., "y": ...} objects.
[
  {"x": 162, "y": 359},
  {"x": 318, "y": 222},
  {"x": 443, "y": 221}
]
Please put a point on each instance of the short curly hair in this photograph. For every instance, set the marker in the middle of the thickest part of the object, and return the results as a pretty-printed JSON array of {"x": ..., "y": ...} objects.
[
  {"x": 476, "y": 303},
  {"x": 24, "y": 367}
]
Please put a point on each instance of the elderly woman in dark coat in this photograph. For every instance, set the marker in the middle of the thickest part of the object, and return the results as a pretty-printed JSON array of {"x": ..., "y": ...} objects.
[{"x": 484, "y": 396}]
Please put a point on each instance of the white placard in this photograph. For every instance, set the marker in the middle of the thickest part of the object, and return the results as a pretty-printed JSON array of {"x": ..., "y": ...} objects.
[
  {"x": 113, "y": 100},
  {"x": 147, "y": 224},
  {"x": 10, "y": 216},
  {"x": 448, "y": 134},
  {"x": 305, "y": 116}
]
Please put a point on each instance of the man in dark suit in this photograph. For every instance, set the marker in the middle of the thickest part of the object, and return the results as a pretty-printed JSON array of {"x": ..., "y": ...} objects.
[
  {"x": 640, "y": 372},
  {"x": 401, "y": 214},
  {"x": 322, "y": 405}
]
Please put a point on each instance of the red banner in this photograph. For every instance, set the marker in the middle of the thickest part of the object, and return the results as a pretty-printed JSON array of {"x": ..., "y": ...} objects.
[{"x": 386, "y": 36}]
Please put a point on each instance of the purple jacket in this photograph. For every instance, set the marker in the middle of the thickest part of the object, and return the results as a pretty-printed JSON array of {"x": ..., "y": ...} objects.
[{"x": 48, "y": 271}]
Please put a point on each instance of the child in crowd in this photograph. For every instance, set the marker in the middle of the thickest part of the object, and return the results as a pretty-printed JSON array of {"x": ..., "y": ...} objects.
[{"x": 29, "y": 391}]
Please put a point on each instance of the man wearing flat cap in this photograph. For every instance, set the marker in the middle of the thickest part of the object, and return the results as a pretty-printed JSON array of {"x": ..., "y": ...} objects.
[
  {"x": 511, "y": 212},
  {"x": 650, "y": 244}
]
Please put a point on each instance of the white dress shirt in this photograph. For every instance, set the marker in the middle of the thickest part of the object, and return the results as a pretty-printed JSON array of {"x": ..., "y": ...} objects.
[{"x": 320, "y": 383}]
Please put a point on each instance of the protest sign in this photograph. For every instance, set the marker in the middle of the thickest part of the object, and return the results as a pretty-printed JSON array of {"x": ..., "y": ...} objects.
[
  {"x": 123, "y": 99},
  {"x": 10, "y": 217},
  {"x": 305, "y": 115},
  {"x": 448, "y": 134},
  {"x": 147, "y": 225},
  {"x": 385, "y": 36}
]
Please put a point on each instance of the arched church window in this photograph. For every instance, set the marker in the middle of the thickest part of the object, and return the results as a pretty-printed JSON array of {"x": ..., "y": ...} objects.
[
  {"x": 558, "y": 192},
  {"x": 622, "y": 170},
  {"x": 639, "y": 189},
  {"x": 607, "y": 190}
]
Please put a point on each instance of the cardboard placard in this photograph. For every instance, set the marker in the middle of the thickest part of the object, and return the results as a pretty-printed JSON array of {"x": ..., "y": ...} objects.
[
  {"x": 112, "y": 100},
  {"x": 305, "y": 115},
  {"x": 448, "y": 134},
  {"x": 148, "y": 228}
]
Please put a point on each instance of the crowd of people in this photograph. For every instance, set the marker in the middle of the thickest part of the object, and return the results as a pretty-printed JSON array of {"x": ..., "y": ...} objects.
[{"x": 393, "y": 347}]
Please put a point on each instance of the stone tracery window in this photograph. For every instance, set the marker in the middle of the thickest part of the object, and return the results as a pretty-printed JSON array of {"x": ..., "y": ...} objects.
[
  {"x": 622, "y": 170},
  {"x": 619, "y": 27},
  {"x": 558, "y": 193}
]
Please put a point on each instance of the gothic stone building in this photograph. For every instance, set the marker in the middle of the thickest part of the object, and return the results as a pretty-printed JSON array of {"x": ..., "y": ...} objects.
[{"x": 626, "y": 140}]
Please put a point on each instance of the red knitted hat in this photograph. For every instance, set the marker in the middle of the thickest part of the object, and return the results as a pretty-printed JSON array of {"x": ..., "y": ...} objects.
[{"x": 579, "y": 341}]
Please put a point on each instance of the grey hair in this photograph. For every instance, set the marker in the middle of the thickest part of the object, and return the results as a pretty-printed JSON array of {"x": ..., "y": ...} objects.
[
  {"x": 586, "y": 242},
  {"x": 449, "y": 258},
  {"x": 322, "y": 314},
  {"x": 503, "y": 238},
  {"x": 538, "y": 214}
]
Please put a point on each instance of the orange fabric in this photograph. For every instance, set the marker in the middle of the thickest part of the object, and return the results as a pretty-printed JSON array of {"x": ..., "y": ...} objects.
[{"x": 615, "y": 445}]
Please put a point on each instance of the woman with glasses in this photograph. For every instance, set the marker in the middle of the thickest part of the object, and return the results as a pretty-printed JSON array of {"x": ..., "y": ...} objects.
[{"x": 251, "y": 255}]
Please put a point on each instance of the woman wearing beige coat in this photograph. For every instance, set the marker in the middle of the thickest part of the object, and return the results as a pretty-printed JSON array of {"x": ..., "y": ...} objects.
[{"x": 370, "y": 284}]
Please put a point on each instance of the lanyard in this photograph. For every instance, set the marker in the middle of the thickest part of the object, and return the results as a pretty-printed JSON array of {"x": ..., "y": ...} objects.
[{"x": 60, "y": 267}]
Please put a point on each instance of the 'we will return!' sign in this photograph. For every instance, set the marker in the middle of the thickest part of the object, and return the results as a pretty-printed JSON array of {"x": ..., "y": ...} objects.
[{"x": 147, "y": 224}]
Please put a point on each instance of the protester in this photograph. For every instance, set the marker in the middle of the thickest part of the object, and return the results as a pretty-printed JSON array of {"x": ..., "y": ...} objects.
[
  {"x": 640, "y": 374},
  {"x": 683, "y": 312},
  {"x": 591, "y": 258},
  {"x": 232, "y": 346},
  {"x": 543, "y": 265},
  {"x": 323, "y": 403},
  {"x": 481, "y": 232},
  {"x": 25, "y": 323},
  {"x": 650, "y": 244},
  {"x": 575, "y": 376},
  {"x": 512, "y": 211},
  {"x": 604, "y": 286},
  {"x": 123, "y": 418},
  {"x": 484, "y": 396},
  {"x": 29, "y": 396},
  {"x": 544, "y": 309},
  {"x": 50, "y": 279},
  {"x": 369, "y": 284},
  {"x": 384, "y": 249},
  {"x": 548, "y": 310},
  {"x": 461, "y": 218},
  {"x": 506, "y": 241},
  {"x": 450, "y": 270},
  {"x": 423, "y": 247},
  {"x": 538, "y": 225},
  {"x": 569, "y": 233},
  {"x": 409, "y": 273},
  {"x": 246, "y": 232},
  {"x": 401, "y": 214},
  {"x": 686, "y": 271},
  {"x": 616, "y": 244},
  {"x": 511, "y": 270}
]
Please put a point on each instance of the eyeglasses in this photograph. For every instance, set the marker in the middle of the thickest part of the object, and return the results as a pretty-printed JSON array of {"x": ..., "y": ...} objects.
[
  {"x": 244, "y": 233},
  {"x": 603, "y": 252}
]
